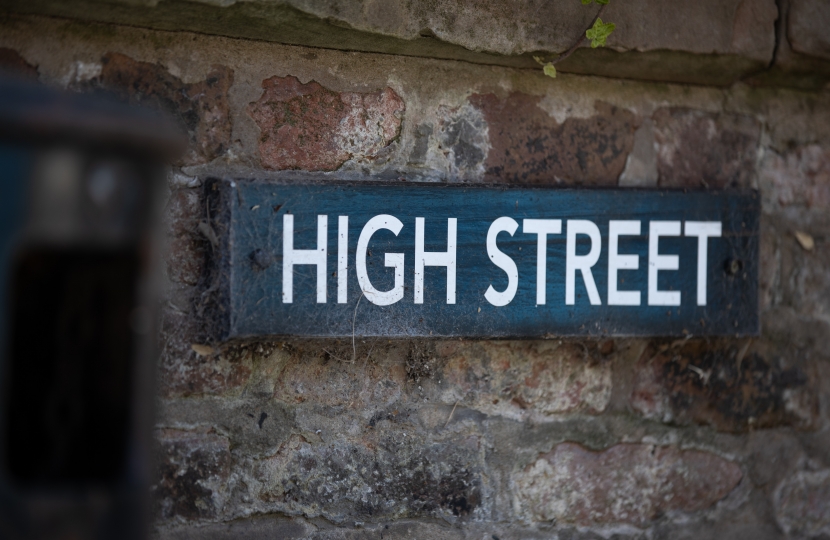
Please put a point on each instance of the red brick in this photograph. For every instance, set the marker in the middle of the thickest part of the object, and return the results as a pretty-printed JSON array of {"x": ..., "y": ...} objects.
[
  {"x": 627, "y": 483},
  {"x": 202, "y": 108},
  {"x": 528, "y": 146},
  {"x": 701, "y": 149},
  {"x": 309, "y": 127}
]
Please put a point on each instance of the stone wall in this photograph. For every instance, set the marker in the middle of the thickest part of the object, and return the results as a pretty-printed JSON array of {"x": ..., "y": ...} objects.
[{"x": 614, "y": 438}]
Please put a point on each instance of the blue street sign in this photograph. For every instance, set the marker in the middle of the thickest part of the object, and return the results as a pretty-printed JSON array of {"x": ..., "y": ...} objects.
[{"x": 402, "y": 260}]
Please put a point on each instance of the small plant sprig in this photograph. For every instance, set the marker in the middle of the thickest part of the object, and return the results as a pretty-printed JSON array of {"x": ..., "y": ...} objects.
[{"x": 598, "y": 32}]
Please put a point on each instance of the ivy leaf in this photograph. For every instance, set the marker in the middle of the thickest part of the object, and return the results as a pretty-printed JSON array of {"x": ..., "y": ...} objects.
[
  {"x": 586, "y": 2},
  {"x": 599, "y": 33},
  {"x": 549, "y": 70}
]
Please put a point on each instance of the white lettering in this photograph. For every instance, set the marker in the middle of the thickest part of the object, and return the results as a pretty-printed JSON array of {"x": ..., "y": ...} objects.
[
  {"x": 342, "y": 258},
  {"x": 435, "y": 258},
  {"x": 542, "y": 228},
  {"x": 703, "y": 230},
  {"x": 508, "y": 225},
  {"x": 392, "y": 260},
  {"x": 657, "y": 262},
  {"x": 621, "y": 262},
  {"x": 581, "y": 262},
  {"x": 292, "y": 257}
]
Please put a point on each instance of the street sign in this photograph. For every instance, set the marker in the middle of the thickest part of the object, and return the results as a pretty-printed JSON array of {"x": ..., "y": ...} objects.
[{"x": 403, "y": 260}]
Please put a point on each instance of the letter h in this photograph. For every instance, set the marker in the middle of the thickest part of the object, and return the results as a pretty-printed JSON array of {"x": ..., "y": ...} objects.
[
  {"x": 292, "y": 257},
  {"x": 435, "y": 258}
]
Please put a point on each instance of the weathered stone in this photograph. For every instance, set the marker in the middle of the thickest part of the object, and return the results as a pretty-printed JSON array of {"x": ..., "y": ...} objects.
[
  {"x": 628, "y": 483},
  {"x": 801, "y": 504},
  {"x": 201, "y": 108},
  {"x": 256, "y": 528},
  {"x": 13, "y": 64},
  {"x": 462, "y": 138},
  {"x": 481, "y": 32},
  {"x": 773, "y": 456},
  {"x": 641, "y": 165},
  {"x": 254, "y": 426},
  {"x": 513, "y": 377},
  {"x": 183, "y": 372},
  {"x": 799, "y": 178},
  {"x": 807, "y": 24},
  {"x": 792, "y": 276},
  {"x": 731, "y": 386},
  {"x": 701, "y": 149},
  {"x": 529, "y": 146},
  {"x": 309, "y": 127},
  {"x": 392, "y": 474},
  {"x": 194, "y": 467},
  {"x": 330, "y": 377}
]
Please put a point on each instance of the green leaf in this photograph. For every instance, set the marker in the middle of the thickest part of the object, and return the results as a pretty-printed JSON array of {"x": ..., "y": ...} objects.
[
  {"x": 599, "y": 33},
  {"x": 549, "y": 70},
  {"x": 602, "y": 2},
  {"x": 586, "y": 2}
]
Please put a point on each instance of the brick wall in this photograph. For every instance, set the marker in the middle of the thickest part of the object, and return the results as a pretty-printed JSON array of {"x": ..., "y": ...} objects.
[{"x": 622, "y": 438}]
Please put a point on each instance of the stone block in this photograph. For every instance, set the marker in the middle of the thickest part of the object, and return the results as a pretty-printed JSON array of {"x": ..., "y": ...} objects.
[
  {"x": 309, "y": 127},
  {"x": 253, "y": 426},
  {"x": 801, "y": 504},
  {"x": 706, "y": 41},
  {"x": 625, "y": 484},
  {"x": 512, "y": 378},
  {"x": 529, "y": 146},
  {"x": 393, "y": 474},
  {"x": 800, "y": 177},
  {"x": 193, "y": 472},
  {"x": 201, "y": 108},
  {"x": 733, "y": 387},
  {"x": 807, "y": 24},
  {"x": 701, "y": 149}
]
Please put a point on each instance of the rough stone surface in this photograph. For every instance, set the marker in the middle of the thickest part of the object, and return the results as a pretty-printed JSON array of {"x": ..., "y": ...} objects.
[
  {"x": 193, "y": 472},
  {"x": 801, "y": 504},
  {"x": 513, "y": 378},
  {"x": 183, "y": 371},
  {"x": 448, "y": 28},
  {"x": 528, "y": 146},
  {"x": 800, "y": 177},
  {"x": 700, "y": 149},
  {"x": 201, "y": 108},
  {"x": 384, "y": 476},
  {"x": 807, "y": 28},
  {"x": 306, "y": 126},
  {"x": 735, "y": 387},
  {"x": 628, "y": 483}
]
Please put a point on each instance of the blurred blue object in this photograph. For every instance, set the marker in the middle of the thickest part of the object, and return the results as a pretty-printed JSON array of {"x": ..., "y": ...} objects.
[{"x": 80, "y": 178}]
